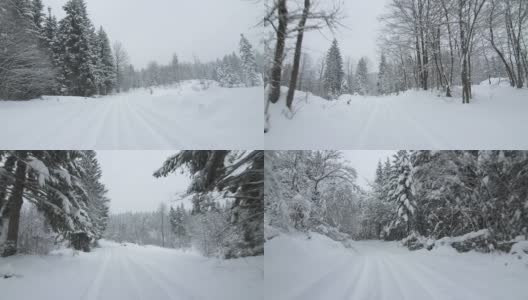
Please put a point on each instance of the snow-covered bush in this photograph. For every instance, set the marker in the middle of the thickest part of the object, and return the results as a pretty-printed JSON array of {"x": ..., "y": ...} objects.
[{"x": 299, "y": 211}]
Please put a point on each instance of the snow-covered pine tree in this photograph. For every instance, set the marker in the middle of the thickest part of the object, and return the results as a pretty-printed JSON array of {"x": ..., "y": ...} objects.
[
  {"x": 178, "y": 226},
  {"x": 97, "y": 202},
  {"x": 26, "y": 71},
  {"x": 403, "y": 193},
  {"x": 55, "y": 182},
  {"x": 362, "y": 81},
  {"x": 175, "y": 69},
  {"x": 383, "y": 76},
  {"x": 37, "y": 12},
  {"x": 106, "y": 63},
  {"x": 251, "y": 76},
  {"x": 78, "y": 57},
  {"x": 333, "y": 73}
]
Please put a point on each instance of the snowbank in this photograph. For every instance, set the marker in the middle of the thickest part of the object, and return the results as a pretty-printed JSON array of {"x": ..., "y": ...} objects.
[{"x": 495, "y": 119}]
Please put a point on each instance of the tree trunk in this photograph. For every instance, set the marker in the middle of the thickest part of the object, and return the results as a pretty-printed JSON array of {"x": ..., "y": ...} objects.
[
  {"x": 14, "y": 207},
  {"x": 297, "y": 56},
  {"x": 275, "y": 80}
]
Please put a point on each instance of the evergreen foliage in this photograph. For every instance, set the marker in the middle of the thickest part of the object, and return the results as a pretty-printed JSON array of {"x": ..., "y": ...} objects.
[{"x": 333, "y": 73}]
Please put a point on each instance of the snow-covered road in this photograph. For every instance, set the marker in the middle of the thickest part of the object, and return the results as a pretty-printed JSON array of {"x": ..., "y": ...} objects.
[
  {"x": 131, "y": 272},
  {"x": 497, "y": 118},
  {"x": 300, "y": 269},
  {"x": 183, "y": 117}
]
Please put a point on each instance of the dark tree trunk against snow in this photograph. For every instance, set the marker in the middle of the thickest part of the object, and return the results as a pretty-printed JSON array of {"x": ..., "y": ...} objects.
[
  {"x": 14, "y": 205},
  {"x": 4, "y": 182},
  {"x": 276, "y": 70},
  {"x": 497, "y": 50},
  {"x": 451, "y": 51},
  {"x": 297, "y": 56}
]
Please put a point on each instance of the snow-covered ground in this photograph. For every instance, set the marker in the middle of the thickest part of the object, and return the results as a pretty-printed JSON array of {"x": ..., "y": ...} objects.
[
  {"x": 497, "y": 118},
  {"x": 183, "y": 117},
  {"x": 300, "y": 269},
  {"x": 129, "y": 272}
]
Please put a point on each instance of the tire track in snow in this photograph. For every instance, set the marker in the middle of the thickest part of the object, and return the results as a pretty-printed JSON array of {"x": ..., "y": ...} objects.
[
  {"x": 430, "y": 280},
  {"x": 159, "y": 130},
  {"x": 156, "y": 120},
  {"x": 365, "y": 129},
  {"x": 169, "y": 288},
  {"x": 321, "y": 284},
  {"x": 365, "y": 288},
  {"x": 93, "y": 291},
  {"x": 132, "y": 279}
]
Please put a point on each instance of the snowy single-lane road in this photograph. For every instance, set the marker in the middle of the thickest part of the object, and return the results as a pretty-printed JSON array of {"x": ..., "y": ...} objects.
[
  {"x": 128, "y": 271},
  {"x": 182, "y": 117},
  {"x": 301, "y": 269}
]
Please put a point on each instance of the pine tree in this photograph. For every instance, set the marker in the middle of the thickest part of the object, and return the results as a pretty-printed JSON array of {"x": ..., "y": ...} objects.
[
  {"x": 37, "y": 10},
  {"x": 383, "y": 80},
  {"x": 178, "y": 226},
  {"x": 175, "y": 69},
  {"x": 63, "y": 185},
  {"x": 106, "y": 63},
  {"x": 25, "y": 71},
  {"x": 251, "y": 76},
  {"x": 403, "y": 190},
  {"x": 362, "y": 77},
  {"x": 78, "y": 54},
  {"x": 333, "y": 73}
]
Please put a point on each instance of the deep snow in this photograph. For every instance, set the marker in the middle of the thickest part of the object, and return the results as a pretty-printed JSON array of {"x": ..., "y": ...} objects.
[
  {"x": 300, "y": 269},
  {"x": 128, "y": 271},
  {"x": 497, "y": 118},
  {"x": 179, "y": 117}
]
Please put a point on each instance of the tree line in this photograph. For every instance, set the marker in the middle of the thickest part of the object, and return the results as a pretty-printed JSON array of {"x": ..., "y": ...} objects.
[
  {"x": 42, "y": 55},
  {"x": 456, "y": 42},
  {"x": 426, "y": 195},
  {"x": 65, "y": 189},
  {"x": 424, "y": 44},
  {"x": 177, "y": 227}
]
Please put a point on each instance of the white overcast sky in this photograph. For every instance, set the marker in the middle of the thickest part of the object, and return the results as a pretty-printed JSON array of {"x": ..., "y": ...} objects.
[
  {"x": 357, "y": 37},
  {"x": 155, "y": 29},
  {"x": 131, "y": 187},
  {"x": 365, "y": 163}
]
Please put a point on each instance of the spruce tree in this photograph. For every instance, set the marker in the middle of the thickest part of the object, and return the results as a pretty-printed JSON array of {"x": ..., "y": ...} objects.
[
  {"x": 383, "y": 84},
  {"x": 63, "y": 185},
  {"x": 106, "y": 63},
  {"x": 25, "y": 71},
  {"x": 403, "y": 190},
  {"x": 37, "y": 11},
  {"x": 362, "y": 77},
  {"x": 333, "y": 73},
  {"x": 78, "y": 54},
  {"x": 249, "y": 65}
]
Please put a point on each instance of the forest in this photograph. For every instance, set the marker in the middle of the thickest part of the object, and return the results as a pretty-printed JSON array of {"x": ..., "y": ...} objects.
[
  {"x": 71, "y": 56},
  {"x": 425, "y": 45},
  {"x": 226, "y": 218},
  {"x": 421, "y": 198},
  {"x": 54, "y": 199}
]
